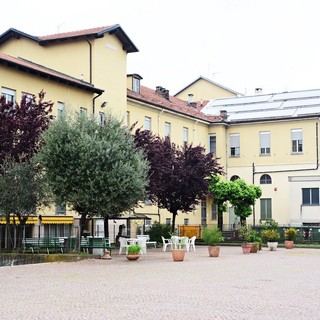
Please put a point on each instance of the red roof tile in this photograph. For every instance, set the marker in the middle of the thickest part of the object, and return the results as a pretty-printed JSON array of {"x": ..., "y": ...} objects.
[{"x": 174, "y": 104}]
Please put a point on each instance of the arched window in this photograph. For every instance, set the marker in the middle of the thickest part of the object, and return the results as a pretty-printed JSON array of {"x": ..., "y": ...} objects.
[
  {"x": 233, "y": 178},
  {"x": 265, "y": 179}
]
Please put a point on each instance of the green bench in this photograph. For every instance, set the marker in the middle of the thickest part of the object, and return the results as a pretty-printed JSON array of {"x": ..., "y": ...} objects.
[
  {"x": 40, "y": 244},
  {"x": 95, "y": 243}
]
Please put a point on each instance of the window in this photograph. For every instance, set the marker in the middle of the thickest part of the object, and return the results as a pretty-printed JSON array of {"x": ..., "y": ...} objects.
[
  {"x": 265, "y": 179},
  {"x": 83, "y": 110},
  {"x": 60, "y": 108},
  {"x": 296, "y": 140},
  {"x": 235, "y": 177},
  {"x": 167, "y": 129},
  {"x": 29, "y": 96},
  {"x": 204, "y": 212},
  {"x": 213, "y": 144},
  {"x": 265, "y": 208},
  {"x": 60, "y": 208},
  {"x": 147, "y": 123},
  {"x": 185, "y": 136},
  {"x": 186, "y": 221},
  {"x": 264, "y": 143},
  {"x": 101, "y": 118},
  {"x": 234, "y": 145},
  {"x": 136, "y": 85},
  {"x": 168, "y": 220},
  {"x": 214, "y": 211},
  {"x": 8, "y": 94},
  {"x": 310, "y": 196}
]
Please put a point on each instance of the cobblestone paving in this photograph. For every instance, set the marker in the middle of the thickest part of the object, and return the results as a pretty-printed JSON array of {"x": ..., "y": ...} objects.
[{"x": 282, "y": 284}]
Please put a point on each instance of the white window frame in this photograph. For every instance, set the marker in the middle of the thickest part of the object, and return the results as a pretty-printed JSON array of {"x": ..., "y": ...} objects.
[
  {"x": 185, "y": 135},
  {"x": 234, "y": 144},
  {"x": 167, "y": 129},
  {"x": 265, "y": 148},
  {"x": 147, "y": 123},
  {"x": 266, "y": 209},
  {"x": 101, "y": 118},
  {"x": 9, "y": 94},
  {"x": 296, "y": 141},
  {"x": 313, "y": 196},
  {"x": 60, "y": 108},
  {"x": 83, "y": 110},
  {"x": 213, "y": 144},
  {"x": 135, "y": 85}
]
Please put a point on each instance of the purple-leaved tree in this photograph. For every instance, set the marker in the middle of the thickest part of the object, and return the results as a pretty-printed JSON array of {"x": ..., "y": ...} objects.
[{"x": 178, "y": 175}]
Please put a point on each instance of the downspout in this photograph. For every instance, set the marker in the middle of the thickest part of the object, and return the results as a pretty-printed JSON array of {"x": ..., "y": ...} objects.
[
  {"x": 93, "y": 102},
  {"x": 90, "y": 60},
  {"x": 159, "y": 115},
  {"x": 195, "y": 131}
]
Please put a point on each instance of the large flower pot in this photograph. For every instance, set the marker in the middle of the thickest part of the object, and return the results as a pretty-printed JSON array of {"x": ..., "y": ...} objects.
[
  {"x": 178, "y": 254},
  {"x": 133, "y": 256},
  {"x": 246, "y": 248},
  {"x": 288, "y": 244},
  {"x": 214, "y": 251},
  {"x": 255, "y": 247},
  {"x": 272, "y": 245}
]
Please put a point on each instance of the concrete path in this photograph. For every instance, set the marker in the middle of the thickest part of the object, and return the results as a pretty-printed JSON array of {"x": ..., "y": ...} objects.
[{"x": 282, "y": 284}]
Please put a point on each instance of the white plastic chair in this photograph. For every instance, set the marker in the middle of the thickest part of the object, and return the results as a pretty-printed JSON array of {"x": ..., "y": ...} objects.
[
  {"x": 192, "y": 243},
  {"x": 123, "y": 245},
  {"x": 166, "y": 243},
  {"x": 142, "y": 241}
]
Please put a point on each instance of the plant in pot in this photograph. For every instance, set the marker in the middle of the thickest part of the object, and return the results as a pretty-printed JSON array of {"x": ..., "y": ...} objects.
[
  {"x": 271, "y": 236},
  {"x": 133, "y": 252},
  {"x": 244, "y": 233},
  {"x": 178, "y": 248},
  {"x": 212, "y": 237},
  {"x": 289, "y": 235},
  {"x": 254, "y": 239}
]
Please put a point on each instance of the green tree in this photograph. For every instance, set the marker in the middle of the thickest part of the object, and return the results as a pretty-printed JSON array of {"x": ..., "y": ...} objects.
[
  {"x": 22, "y": 190},
  {"x": 239, "y": 194},
  {"x": 96, "y": 169}
]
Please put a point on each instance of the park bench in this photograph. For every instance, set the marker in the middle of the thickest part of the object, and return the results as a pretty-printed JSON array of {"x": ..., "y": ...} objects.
[
  {"x": 95, "y": 243},
  {"x": 40, "y": 244}
]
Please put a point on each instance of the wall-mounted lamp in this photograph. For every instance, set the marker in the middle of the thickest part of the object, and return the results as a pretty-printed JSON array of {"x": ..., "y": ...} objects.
[{"x": 104, "y": 103}]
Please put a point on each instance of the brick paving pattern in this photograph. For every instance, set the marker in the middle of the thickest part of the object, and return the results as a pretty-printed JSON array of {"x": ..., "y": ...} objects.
[{"x": 282, "y": 284}]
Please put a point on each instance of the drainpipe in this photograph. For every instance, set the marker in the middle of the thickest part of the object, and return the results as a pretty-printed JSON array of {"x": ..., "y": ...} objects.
[
  {"x": 159, "y": 115},
  {"x": 90, "y": 60},
  {"x": 93, "y": 102},
  {"x": 195, "y": 131}
]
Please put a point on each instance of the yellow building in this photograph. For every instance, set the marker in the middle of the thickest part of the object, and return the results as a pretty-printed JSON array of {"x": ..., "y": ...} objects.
[{"x": 269, "y": 140}]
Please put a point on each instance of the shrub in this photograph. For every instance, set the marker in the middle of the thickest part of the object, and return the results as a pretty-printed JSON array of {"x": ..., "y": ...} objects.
[
  {"x": 290, "y": 233},
  {"x": 212, "y": 236},
  {"x": 134, "y": 249},
  {"x": 157, "y": 230},
  {"x": 270, "y": 235}
]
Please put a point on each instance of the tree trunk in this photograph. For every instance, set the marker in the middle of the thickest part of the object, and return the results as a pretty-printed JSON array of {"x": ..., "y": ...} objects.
[
  {"x": 243, "y": 221},
  {"x": 174, "y": 214},
  {"x": 82, "y": 223}
]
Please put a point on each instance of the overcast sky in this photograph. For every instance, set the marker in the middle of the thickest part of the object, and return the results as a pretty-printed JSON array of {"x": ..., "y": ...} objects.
[{"x": 241, "y": 44}]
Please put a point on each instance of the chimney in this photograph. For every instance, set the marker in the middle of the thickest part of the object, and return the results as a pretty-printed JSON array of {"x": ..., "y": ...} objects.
[
  {"x": 258, "y": 91},
  {"x": 191, "y": 103},
  {"x": 223, "y": 114},
  {"x": 162, "y": 92}
]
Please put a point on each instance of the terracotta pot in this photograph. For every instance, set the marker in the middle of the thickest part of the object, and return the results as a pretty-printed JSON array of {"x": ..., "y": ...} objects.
[
  {"x": 214, "y": 251},
  {"x": 178, "y": 254},
  {"x": 288, "y": 244},
  {"x": 246, "y": 248},
  {"x": 133, "y": 256},
  {"x": 255, "y": 247}
]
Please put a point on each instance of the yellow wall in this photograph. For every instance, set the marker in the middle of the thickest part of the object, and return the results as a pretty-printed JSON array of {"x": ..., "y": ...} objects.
[{"x": 204, "y": 90}]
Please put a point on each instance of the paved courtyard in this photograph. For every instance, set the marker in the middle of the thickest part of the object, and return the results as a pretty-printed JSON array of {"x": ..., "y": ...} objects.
[{"x": 284, "y": 284}]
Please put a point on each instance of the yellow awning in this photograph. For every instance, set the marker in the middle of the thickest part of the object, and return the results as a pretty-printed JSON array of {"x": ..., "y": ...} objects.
[
  {"x": 31, "y": 220},
  {"x": 57, "y": 220}
]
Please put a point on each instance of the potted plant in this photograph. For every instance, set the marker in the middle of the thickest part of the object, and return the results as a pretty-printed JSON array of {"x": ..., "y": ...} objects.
[
  {"x": 133, "y": 252},
  {"x": 212, "y": 237},
  {"x": 244, "y": 233},
  {"x": 271, "y": 236},
  {"x": 254, "y": 239},
  {"x": 178, "y": 247},
  {"x": 289, "y": 235}
]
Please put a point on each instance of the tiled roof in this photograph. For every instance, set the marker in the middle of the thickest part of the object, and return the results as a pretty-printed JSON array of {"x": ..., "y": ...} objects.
[
  {"x": 31, "y": 67},
  {"x": 174, "y": 104},
  {"x": 73, "y": 34},
  {"x": 98, "y": 32}
]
